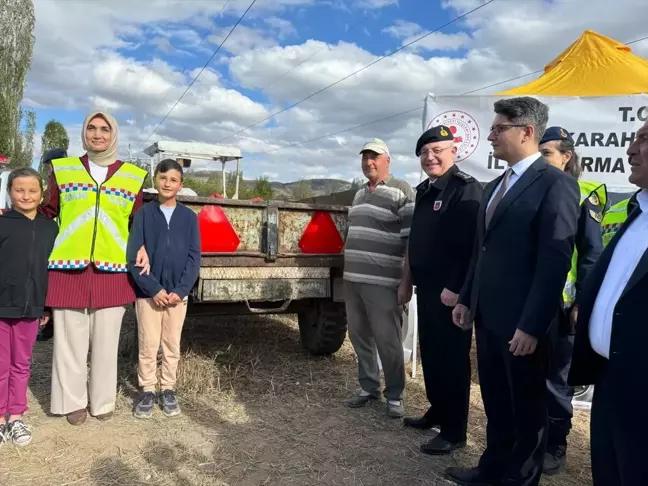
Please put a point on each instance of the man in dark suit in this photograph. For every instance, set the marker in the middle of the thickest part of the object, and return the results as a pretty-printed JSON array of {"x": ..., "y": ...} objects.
[
  {"x": 611, "y": 336},
  {"x": 526, "y": 228}
]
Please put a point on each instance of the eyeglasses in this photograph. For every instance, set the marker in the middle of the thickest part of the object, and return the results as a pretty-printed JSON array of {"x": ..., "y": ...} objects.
[
  {"x": 436, "y": 151},
  {"x": 497, "y": 129}
]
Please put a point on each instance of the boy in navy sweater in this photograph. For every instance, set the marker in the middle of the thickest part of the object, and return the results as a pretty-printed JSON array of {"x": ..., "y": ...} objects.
[{"x": 169, "y": 232}]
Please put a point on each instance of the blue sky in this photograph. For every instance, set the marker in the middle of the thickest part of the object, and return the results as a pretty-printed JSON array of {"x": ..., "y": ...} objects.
[{"x": 135, "y": 59}]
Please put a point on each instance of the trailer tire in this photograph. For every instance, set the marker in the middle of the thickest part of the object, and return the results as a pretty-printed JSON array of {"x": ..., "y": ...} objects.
[{"x": 322, "y": 327}]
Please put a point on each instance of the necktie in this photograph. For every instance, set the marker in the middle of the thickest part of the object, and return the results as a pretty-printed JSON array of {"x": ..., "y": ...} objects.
[{"x": 498, "y": 197}]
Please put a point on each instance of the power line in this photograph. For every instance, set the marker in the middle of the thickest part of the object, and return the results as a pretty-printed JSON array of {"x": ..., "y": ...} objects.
[
  {"x": 200, "y": 72},
  {"x": 346, "y": 129},
  {"x": 501, "y": 82},
  {"x": 211, "y": 28},
  {"x": 297, "y": 144},
  {"x": 294, "y": 67},
  {"x": 391, "y": 116},
  {"x": 636, "y": 40},
  {"x": 405, "y": 46}
]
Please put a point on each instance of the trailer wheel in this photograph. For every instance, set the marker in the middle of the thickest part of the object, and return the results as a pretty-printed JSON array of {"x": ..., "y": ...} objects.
[{"x": 322, "y": 327}]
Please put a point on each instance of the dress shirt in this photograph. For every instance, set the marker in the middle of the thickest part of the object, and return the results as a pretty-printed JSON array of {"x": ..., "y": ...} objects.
[
  {"x": 629, "y": 250},
  {"x": 518, "y": 169}
]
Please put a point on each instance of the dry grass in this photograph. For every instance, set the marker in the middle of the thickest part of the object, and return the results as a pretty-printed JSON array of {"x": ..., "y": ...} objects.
[{"x": 257, "y": 411}]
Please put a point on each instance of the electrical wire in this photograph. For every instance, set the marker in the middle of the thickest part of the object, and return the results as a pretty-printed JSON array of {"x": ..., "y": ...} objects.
[
  {"x": 294, "y": 67},
  {"x": 199, "y": 73},
  {"x": 396, "y": 115},
  {"x": 418, "y": 39}
]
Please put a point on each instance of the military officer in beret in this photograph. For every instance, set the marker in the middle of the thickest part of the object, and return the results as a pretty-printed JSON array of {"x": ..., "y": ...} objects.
[
  {"x": 440, "y": 247},
  {"x": 557, "y": 147}
]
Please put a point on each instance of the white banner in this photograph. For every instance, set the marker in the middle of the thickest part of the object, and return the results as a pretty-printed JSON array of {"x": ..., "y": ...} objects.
[{"x": 602, "y": 127}]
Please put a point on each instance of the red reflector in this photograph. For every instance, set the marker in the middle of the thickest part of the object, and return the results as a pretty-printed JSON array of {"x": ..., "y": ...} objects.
[
  {"x": 216, "y": 232},
  {"x": 321, "y": 235}
]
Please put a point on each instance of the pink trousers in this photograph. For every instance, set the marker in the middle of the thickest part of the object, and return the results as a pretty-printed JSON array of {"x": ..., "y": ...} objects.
[{"x": 17, "y": 338}]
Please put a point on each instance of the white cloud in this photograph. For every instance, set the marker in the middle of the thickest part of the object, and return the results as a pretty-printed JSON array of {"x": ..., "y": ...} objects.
[
  {"x": 81, "y": 67},
  {"x": 243, "y": 39},
  {"x": 414, "y": 178},
  {"x": 283, "y": 27},
  {"x": 375, "y": 4},
  {"x": 402, "y": 29},
  {"x": 408, "y": 32}
]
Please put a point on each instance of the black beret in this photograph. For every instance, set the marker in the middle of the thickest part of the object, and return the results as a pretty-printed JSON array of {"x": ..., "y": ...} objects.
[
  {"x": 556, "y": 133},
  {"x": 439, "y": 133},
  {"x": 54, "y": 154}
]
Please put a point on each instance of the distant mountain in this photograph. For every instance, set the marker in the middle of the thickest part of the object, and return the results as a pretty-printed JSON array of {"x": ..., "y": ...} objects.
[
  {"x": 308, "y": 187},
  {"x": 301, "y": 189}
]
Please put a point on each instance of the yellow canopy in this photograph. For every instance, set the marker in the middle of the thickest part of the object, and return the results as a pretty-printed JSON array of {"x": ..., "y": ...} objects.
[{"x": 594, "y": 65}]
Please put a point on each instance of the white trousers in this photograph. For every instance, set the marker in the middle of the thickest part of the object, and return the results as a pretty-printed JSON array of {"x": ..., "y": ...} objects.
[{"x": 77, "y": 331}]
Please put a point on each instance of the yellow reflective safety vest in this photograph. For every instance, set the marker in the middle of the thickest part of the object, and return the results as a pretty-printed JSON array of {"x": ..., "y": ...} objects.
[
  {"x": 93, "y": 219},
  {"x": 597, "y": 195},
  {"x": 613, "y": 220}
]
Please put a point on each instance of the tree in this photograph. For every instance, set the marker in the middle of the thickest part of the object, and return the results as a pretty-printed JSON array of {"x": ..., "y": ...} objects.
[
  {"x": 54, "y": 137},
  {"x": 16, "y": 48},
  {"x": 302, "y": 190},
  {"x": 23, "y": 154},
  {"x": 263, "y": 189},
  {"x": 357, "y": 183}
]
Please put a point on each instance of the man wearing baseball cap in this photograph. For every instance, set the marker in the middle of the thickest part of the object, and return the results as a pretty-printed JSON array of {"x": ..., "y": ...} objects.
[{"x": 379, "y": 225}]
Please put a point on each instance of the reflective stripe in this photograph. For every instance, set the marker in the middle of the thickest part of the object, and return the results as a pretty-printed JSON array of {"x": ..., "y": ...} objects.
[
  {"x": 77, "y": 187},
  {"x": 72, "y": 228},
  {"x": 114, "y": 191},
  {"x": 132, "y": 176},
  {"x": 111, "y": 267},
  {"x": 68, "y": 264},
  {"x": 110, "y": 225},
  {"x": 71, "y": 168}
]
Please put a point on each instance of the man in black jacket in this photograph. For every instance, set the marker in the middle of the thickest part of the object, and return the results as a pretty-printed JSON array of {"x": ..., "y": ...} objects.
[
  {"x": 526, "y": 229},
  {"x": 440, "y": 247},
  {"x": 611, "y": 336}
]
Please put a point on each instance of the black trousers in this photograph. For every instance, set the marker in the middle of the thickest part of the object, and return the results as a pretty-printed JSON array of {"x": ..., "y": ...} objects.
[
  {"x": 514, "y": 392},
  {"x": 559, "y": 393},
  {"x": 617, "y": 432},
  {"x": 445, "y": 357}
]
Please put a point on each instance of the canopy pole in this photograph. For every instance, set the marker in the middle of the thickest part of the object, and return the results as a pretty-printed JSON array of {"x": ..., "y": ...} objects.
[{"x": 223, "y": 177}]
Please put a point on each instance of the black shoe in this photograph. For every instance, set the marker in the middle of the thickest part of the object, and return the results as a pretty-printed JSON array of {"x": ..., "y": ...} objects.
[
  {"x": 422, "y": 423},
  {"x": 554, "y": 461},
  {"x": 169, "y": 403},
  {"x": 468, "y": 476},
  {"x": 438, "y": 446},
  {"x": 144, "y": 406},
  {"x": 45, "y": 333}
]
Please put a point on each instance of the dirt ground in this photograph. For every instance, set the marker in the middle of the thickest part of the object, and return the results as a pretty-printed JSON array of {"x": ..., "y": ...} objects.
[{"x": 257, "y": 411}]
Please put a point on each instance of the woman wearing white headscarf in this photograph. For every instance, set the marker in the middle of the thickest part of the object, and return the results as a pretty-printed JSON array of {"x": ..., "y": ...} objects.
[{"x": 94, "y": 197}]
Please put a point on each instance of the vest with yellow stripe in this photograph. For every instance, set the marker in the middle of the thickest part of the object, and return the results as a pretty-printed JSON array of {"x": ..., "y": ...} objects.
[
  {"x": 597, "y": 195},
  {"x": 93, "y": 219},
  {"x": 613, "y": 220}
]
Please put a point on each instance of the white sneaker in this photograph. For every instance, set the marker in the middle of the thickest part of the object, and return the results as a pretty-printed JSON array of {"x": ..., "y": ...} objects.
[{"x": 19, "y": 433}]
